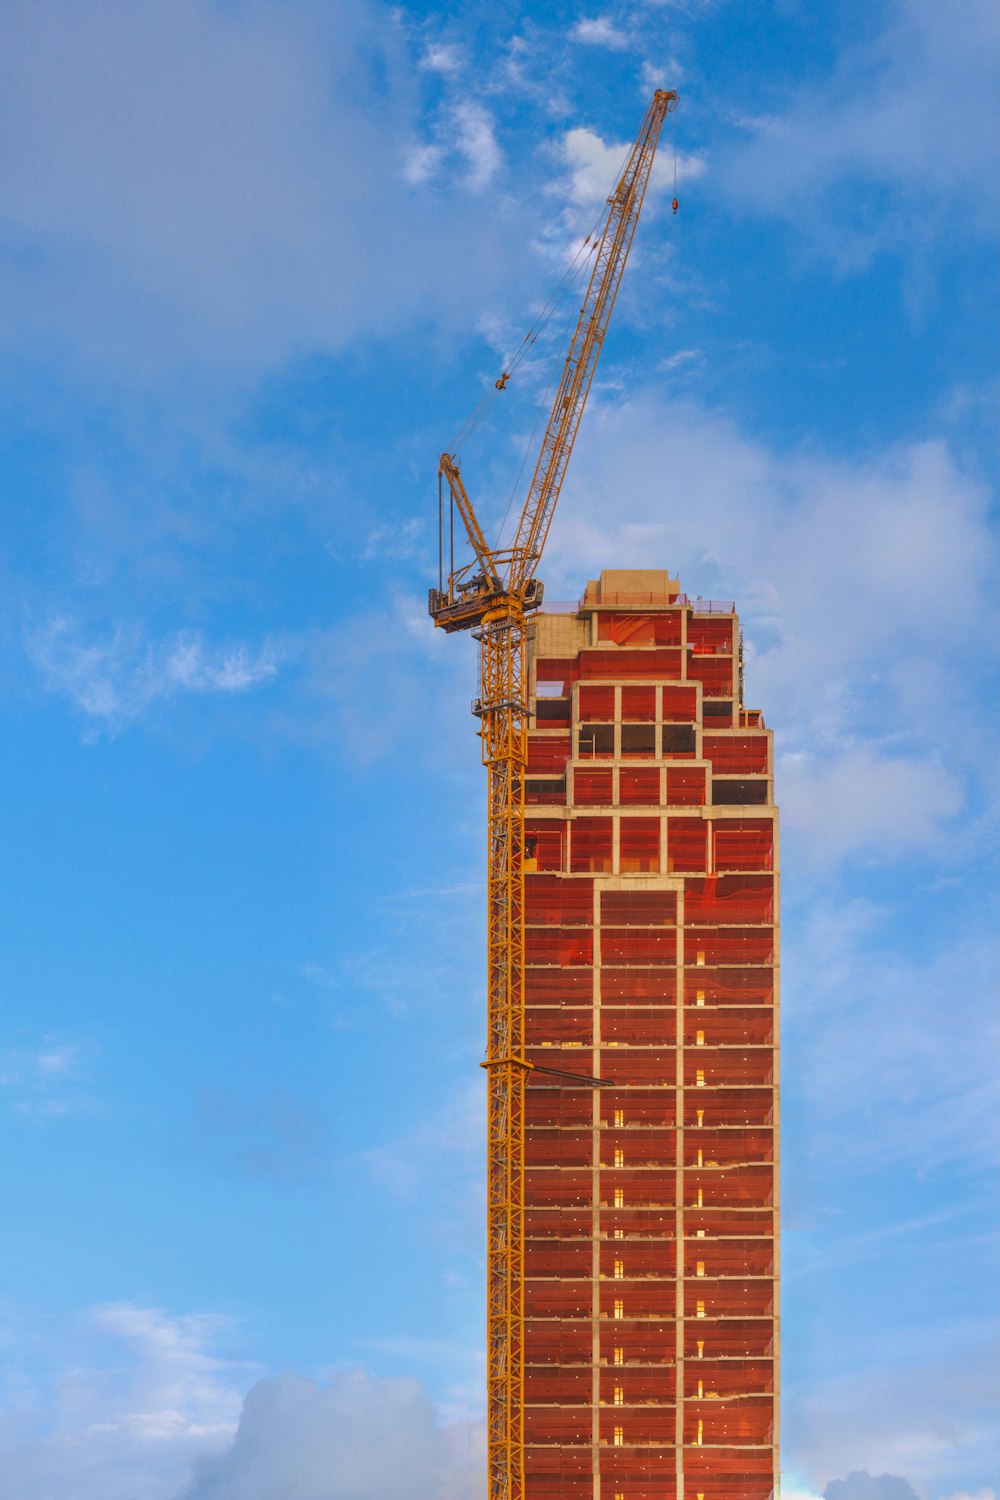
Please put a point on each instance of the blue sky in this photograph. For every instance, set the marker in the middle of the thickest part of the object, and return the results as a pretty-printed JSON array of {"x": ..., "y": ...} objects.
[{"x": 257, "y": 263}]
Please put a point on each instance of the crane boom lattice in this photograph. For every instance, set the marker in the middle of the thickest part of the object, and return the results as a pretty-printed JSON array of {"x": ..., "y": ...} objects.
[{"x": 493, "y": 596}]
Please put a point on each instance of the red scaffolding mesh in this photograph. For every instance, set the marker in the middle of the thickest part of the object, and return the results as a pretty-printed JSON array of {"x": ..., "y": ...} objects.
[
  {"x": 640, "y": 784},
  {"x": 638, "y": 704},
  {"x": 737, "y": 754},
  {"x": 636, "y": 630},
  {"x": 624, "y": 666},
  {"x": 660, "y": 983},
  {"x": 591, "y": 841},
  {"x": 639, "y": 846}
]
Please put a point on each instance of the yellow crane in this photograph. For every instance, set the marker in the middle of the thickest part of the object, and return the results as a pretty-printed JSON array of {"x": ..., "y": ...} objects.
[{"x": 492, "y": 595}]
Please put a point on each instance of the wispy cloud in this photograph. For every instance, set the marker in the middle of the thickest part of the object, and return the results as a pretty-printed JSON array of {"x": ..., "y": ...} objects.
[
  {"x": 115, "y": 678},
  {"x": 601, "y": 31},
  {"x": 46, "y": 1081}
]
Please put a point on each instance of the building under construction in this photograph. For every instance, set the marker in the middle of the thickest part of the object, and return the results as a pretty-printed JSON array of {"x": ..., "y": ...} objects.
[{"x": 650, "y": 1203}]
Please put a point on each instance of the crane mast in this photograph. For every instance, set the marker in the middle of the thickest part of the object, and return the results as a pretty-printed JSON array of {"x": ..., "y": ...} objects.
[{"x": 492, "y": 596}]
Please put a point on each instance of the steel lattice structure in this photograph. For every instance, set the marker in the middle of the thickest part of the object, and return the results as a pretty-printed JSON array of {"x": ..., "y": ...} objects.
[{"x": 492, "y": 595}]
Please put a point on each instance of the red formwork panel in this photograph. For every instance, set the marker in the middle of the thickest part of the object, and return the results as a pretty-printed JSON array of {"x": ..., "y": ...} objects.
[
  {"x": 743, "y": 844},
  {"x": 716, "y": 632},
  {"x": 627, "y": 986},
  {"x": 749, "y": 985},
  {"x": 591, "y": 842},
  {"x": 566, "y": 947},
  {"x": 593, "y": 786},
  {"x": 551, "y": 901},
  {"x": 545, "y": 843},
  {"x": 728, "y": 1377},
  {"x": 737, "y": 754},
  {"x": 639, "y": 846},
  {"x": 734, "y": 1338},
  {"x": 634, "y": 1024},
  {"x": 732, "y": 1257},
  {"x": 641, "y": 1065},
  {"x": 560, "y": 1148},
  {"x": 547, "y": 752},
  {"x": 557, "y": 1025},
  {"x": 625, "y": 666},
  {"x": 728, "y": 1026},
  {"x": 687, "y": 845},
  {"x": 596, "y": 701},
  {"x": 729, "y": 899},
  {"x": 564, "y": 1257},
  {"x": 638, "y": 947},
  {"x": 639, "y": 786},
  {"x": 548, "y": 1384},
  {"x": 638, "y": 704},
  {"x": 679, "y": 705},
  {"x": 715, "y": 673},
  {"x": 557, "y": 1297},
  {"x": 549, "y": 1104},
  {"x": 557, "y": 1424},
  {"x": 685, "y": 786},
  {"x": 544, "y": 985},
  {"x": 639, "y": 1424},
  {"x": 632, "y": 1258},
  {"x": 727, "y": 1148},
  {"x": 639, "y": 908},
  {"x": 720, "y": 1069},
  {"x": 640, "y": 630},
  {"x": 557, "y": 670},
  {"x": 744, "y": 947}
]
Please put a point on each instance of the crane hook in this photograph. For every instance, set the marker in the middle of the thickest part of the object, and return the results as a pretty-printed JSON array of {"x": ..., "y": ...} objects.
[
  {"x": 502, "y": 382},
  {"x": 674, "y": 204}
]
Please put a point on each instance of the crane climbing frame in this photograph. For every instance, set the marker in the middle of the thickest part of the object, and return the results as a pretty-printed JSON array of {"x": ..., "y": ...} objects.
[{"x": 493, "y": 595}]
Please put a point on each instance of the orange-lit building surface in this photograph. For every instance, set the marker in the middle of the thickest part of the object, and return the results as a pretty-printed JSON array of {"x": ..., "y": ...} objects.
[{"x": 651, "y": 1292}]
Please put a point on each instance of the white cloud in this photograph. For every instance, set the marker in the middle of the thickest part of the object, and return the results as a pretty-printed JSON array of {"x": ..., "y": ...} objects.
[
  {"x": 601, "y": 31},
  {"x": 175, "y": 186},
  {"x": 440, "y": 57},
  {"x": 354, "y": 1438},
  {"x": 912, "y": 113},
  {"x": 140, "y": 1405},
  {"x": 595, "y": 166},
  {"x": 861, "y": 584},
  {"x": 863, "y": 801},
  {"x": 118, "y": 678},
  {"x": 133, "y": 1397},
  {"x": 475, "y": 139},
  {"x": 46, "y": 1081}
]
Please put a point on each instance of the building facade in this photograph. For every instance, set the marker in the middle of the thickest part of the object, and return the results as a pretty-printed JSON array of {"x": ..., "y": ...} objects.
[{"x": 651, "y": 946}]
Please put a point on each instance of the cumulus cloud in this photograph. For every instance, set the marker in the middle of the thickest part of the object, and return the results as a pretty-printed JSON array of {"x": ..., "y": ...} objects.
[
  {"x": 142, "y": 1405},
  {"x": 354, "y": 1438},
  {"x": 601, "y": 31},
  {"x": 860, "y": 584},
  {"x": 135, "y": 1396},
  {"x": 862, "y": 1486},
  {"x": 594, "y": 166}
]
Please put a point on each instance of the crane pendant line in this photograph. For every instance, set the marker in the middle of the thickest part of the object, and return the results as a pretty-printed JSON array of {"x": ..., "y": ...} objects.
[{"x": 493, "y": 595}]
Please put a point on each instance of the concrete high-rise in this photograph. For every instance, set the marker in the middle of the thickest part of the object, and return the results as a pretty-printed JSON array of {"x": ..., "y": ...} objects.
[{"x": 651, "y": 936}]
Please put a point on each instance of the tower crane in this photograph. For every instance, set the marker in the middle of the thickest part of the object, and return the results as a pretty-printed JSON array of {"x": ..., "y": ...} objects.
[{"x": 492, "y": 595}]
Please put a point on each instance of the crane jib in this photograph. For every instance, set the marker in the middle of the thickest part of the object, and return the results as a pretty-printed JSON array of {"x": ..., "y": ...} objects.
[{"x": 493, "y": 595}]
